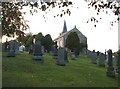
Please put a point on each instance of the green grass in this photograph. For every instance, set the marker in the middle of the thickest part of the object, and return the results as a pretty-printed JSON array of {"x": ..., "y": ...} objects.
[{"x": 25, "y": 72}]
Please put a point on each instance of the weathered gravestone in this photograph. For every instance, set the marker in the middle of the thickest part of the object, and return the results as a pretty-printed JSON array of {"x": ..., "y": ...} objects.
[
  {"x": 17, "y": 48},
  {"x": 118, "y": 63},
  {"x": 11, "y": 51},
  {"x": 93, "y": 57},
  {"x": 31, "y": 49},
  {"x": 101, "y": 61},
  {"x": 61, "y": 57},
  {"x": 37, "y": 52},
  {"x": 110, "y": 69}
]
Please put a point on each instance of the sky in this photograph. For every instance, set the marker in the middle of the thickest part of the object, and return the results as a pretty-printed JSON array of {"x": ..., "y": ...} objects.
[{"x": 104, "y": 36}]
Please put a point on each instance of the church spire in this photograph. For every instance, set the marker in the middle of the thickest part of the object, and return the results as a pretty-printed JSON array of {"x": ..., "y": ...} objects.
[{"x": 64, "y": 27}]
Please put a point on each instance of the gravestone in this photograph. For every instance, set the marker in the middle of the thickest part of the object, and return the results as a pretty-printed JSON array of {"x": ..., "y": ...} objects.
[
  {"x": 61, "y": 57},
  {"x": 101, "y": 61},
  {"x": 93, "y": 57},
  {"x": 55, "y": 51},
  {"x": 110, "y": 69},
  {"x": 118, "y": 63},
  {"x": 11, "y": 51},
  {"x": 66, "y": 56},
  {"x": 43, "y": 49},
  {"x": 37, "y": 52},
  {"x": 17, "y": 48},
  {"x": 31, "y": 49}
]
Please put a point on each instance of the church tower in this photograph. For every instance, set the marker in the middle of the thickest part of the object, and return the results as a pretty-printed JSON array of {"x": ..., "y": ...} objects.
[{"x": 64, "y": 27}]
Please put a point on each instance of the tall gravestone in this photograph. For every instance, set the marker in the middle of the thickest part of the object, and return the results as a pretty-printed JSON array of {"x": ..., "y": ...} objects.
[
  {"x": 110, "y": 69},
  {"x": 37, "y": 52},
  {"x": 61, "y": 57},
  {"x": 11, "y": 51},
  {"x": 101, "y": 61},
  {"x": 93, "y": 57},
  {"x": 118, "y": 63}
]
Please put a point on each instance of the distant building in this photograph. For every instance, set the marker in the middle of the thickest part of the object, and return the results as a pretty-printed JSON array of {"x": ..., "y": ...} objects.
[{"x": 61, "y": 39}]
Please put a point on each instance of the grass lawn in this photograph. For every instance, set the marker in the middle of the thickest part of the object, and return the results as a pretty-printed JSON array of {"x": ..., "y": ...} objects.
[{"x": 22, "y": 71}]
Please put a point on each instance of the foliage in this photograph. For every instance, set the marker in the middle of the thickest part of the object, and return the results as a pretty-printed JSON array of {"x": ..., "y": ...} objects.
[
  {"x": 29, "y": 41},
  {"x": 82, "y": 45},
  {"x": 22, "y": 71},
  {"x": 12, "y": 19},
  {"x": 48, "y": 42},
  {"x": 40, "y": 37},
  {"x": 72, "y": 41},
  {"x": 104, "y": 6}
]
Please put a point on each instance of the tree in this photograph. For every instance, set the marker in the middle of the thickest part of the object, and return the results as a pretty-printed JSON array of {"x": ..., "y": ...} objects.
[
  {"x": 82, "y": 45},
  {"x": 13, "y": 19},
  {"x": 48, "y": 42},
  {"x": 40, "y": 37},
  {"x": 29, "y": 41},
  {"x": 104, "y": 6},
  {"x": 73, "y": 42}
]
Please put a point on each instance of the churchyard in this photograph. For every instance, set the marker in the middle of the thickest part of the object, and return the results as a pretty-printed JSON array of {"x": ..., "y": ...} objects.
[{"x": 23, "y": 70}]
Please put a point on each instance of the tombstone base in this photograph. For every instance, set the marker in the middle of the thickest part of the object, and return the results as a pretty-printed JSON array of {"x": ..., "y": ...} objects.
[
  {"x": 38, "y": 58},
  {"x": 94, "y": 62},
  {"x": 55, "y": 57},
  {"x": 60, "y": 64},
  {"x": 101, "y": 65},
  {"x": 111, "y": 72},
  {"x": 11, "y": 54}
]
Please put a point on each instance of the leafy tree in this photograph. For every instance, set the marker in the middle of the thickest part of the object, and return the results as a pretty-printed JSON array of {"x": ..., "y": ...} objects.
[
  {"x": 29, "y": 41},
  {"x": 48, "y": 42},
  {"x": 73, "y": 41},
  {"x": 106, "y": 7},
  {"x": 82, "y": 45},
  {"x": 40, "y": 37},
  {"x": 13, "y": 19}
]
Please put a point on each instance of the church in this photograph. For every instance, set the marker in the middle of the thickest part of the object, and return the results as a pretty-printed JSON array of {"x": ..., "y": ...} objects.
[{"x": 61, "y": 39}]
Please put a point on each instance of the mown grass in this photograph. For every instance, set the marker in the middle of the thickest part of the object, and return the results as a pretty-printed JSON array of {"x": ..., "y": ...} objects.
[{"x": 22, "y": 71}]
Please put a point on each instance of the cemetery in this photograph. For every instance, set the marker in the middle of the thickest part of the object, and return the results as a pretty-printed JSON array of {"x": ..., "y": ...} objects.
[
  {"x": 37, "y": 60},
  {"x": 41, "y": 62},
  {"x": 23, "y": 71}
]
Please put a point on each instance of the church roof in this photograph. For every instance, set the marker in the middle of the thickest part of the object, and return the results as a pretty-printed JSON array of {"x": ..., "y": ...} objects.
[{"x": 72, "y": 30}]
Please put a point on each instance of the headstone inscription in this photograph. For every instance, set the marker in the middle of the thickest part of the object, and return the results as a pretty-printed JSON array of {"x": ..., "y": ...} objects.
[{"x": 110, "y": 69}]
